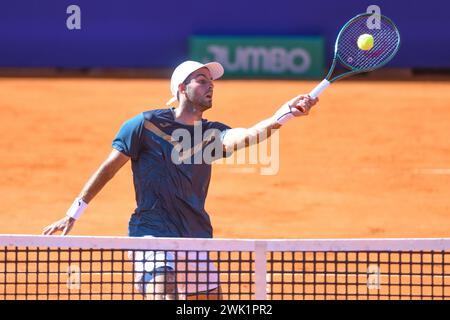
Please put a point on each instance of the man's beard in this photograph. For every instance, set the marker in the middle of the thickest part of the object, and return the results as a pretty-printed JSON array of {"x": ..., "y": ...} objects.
[{"x": 206, "y": 107}]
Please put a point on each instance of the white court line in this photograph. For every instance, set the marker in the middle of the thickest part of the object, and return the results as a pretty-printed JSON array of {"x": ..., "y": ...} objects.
[{"x": 434, "y": 171}]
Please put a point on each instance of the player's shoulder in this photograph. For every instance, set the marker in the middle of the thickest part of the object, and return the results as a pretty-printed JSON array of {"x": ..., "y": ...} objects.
[
  {"x": 156, "y": 113},
  {"x": 217, "y": 125}
]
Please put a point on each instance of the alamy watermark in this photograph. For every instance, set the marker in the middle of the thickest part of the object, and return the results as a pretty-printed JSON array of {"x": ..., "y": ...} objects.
[
  {"x": 373, "y": 277},
  {"x": 374, "y": 21},
  {"x": 73, "y": 277},
  {"x": 260, "y": 152},
  {"x": 73, "y": 22}
]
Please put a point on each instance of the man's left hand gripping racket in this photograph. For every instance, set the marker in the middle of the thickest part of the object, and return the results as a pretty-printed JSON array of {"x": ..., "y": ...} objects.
[{"x": 386, "y": 41}]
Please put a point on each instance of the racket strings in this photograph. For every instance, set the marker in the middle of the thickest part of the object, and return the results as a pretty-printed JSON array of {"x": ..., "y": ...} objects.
[{"x": 386, "y": 42}]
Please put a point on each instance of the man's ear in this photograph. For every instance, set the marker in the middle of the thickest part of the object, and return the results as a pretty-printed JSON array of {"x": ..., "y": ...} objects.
[{"x": 181, "y": 88}]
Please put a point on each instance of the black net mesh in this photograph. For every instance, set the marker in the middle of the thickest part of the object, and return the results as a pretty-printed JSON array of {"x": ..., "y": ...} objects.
[{"x": 234, "y": 270}]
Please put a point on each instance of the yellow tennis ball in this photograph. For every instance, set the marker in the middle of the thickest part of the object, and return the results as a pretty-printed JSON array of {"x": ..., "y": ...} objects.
[{"x": 365, "y": 42}]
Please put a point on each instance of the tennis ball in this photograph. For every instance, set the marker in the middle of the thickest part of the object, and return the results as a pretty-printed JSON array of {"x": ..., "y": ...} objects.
[{"x": 365, "y": 42}]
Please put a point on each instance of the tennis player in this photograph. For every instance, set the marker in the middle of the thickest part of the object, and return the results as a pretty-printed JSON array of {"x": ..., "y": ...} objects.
[{"x": 170, "y": 182}]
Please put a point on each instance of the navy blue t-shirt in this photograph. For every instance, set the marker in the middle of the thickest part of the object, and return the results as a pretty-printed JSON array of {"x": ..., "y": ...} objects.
[{"x": 171, "y": 172}]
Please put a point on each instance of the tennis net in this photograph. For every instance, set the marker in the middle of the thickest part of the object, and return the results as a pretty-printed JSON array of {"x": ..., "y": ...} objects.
[{"x": 98, "y": 268}]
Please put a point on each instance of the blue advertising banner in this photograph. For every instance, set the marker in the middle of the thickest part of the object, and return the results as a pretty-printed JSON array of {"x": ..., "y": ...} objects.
[{"x": 143, "y": 33}]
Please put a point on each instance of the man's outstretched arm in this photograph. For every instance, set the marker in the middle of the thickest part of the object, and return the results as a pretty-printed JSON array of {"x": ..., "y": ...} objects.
[
  {"x": 96, "y": 182},
  {"x": 238, "y": 138}
]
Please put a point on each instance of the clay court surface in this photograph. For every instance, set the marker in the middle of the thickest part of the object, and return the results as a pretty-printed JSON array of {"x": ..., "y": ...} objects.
[{"x": 371, "y": 160}]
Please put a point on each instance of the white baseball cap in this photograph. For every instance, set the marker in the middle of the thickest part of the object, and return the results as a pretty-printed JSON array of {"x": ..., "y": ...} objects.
[{"x": 183, "y": 71}]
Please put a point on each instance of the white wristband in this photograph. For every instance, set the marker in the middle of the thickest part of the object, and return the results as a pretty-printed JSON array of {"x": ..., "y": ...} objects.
[
  {"x": 284, "y": 114},
  {"x": 77, "y": 208}
]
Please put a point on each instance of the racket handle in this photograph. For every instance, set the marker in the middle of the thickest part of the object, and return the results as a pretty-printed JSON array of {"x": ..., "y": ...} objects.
[{"x": 319, "y": 88}]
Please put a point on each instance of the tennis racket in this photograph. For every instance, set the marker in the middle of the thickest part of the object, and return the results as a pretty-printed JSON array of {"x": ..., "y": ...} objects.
[{"x": 352, "y": 58}]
